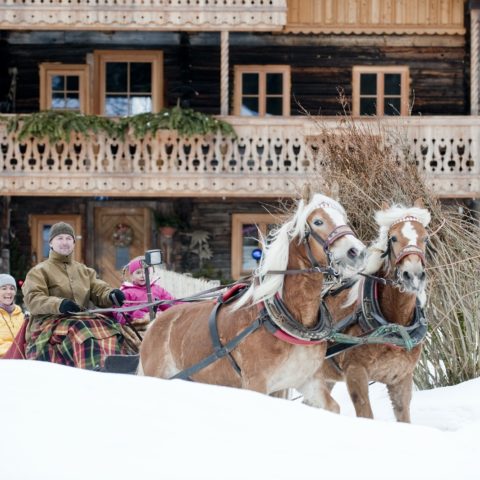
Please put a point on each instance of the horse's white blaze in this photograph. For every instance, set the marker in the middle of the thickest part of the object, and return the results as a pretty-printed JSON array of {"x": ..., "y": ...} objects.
[
  {"x": 336, "y": 216},
  {"x": 409, "y": 232}
]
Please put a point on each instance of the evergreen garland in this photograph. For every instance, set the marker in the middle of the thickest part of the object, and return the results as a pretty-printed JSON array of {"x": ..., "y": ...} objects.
[{"x": 59, "y": 125}]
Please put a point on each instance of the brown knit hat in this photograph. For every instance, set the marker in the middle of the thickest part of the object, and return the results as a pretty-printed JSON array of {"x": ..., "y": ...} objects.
[{"x": 61, "y": 228}]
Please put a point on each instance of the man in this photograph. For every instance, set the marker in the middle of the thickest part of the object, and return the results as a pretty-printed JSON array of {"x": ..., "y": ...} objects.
[{"x": 59, "y": 287}]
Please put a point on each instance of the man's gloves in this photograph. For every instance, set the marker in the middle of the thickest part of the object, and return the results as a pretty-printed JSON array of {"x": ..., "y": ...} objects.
[
  {"x": 117, "y": 297},
  {"x": 67, "y": 306}
]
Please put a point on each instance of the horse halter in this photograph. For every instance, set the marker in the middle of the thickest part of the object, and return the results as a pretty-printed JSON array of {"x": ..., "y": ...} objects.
[
  {"x": 405, "y": 251},
  {"x": 333, "y": 236}
]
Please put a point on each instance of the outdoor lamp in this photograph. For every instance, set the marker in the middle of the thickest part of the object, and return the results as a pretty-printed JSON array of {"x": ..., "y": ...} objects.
[{"x": 152, "y": 258}]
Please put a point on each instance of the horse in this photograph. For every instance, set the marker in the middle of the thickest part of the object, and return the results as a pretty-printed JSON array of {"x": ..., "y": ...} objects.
[
  {"x": 272, "y": 336},
  {"x": 393, "y": 297}
]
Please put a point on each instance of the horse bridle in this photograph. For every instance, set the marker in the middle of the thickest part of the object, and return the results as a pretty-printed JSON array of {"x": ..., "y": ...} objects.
[
  {"x": 404, "y": 252},
  {"x": 337, "y": 233}
]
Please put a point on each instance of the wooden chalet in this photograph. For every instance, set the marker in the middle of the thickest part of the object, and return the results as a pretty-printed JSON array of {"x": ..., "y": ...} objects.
[{"x": 259, "y": 65}]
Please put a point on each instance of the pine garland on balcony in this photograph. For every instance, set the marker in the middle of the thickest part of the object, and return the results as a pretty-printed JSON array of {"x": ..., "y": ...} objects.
[{"x": 60, "y": 125}]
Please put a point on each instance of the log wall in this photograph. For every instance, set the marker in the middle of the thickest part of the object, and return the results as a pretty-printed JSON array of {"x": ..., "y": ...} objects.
[{"x": 320, "y": 64}]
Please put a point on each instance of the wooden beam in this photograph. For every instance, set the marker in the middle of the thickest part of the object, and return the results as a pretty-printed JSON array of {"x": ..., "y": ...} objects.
[{"x": 224, "y": 71}]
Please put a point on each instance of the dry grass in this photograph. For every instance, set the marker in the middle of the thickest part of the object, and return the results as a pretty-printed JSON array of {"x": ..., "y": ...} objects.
[{"x": 367, "y": 165}]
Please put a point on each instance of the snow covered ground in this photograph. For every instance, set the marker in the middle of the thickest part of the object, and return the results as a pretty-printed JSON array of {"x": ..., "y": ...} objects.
[{"x": 62, "y": 423}]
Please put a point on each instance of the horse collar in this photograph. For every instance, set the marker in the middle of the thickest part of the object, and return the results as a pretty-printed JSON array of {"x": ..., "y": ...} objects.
[
  {"x": 285, "y": 327},
  {"x": 372, "y": 317}
]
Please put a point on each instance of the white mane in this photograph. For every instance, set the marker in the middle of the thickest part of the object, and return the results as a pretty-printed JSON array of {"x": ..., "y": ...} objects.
[
  {"x": 275, "y": 251},
  {"x": 385, "y": 219}
]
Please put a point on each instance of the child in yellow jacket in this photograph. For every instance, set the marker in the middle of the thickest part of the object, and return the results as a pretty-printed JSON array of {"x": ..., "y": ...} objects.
[{"x": 11, "y": 315}]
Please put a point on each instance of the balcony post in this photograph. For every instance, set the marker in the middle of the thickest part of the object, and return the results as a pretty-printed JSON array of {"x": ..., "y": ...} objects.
[
  {"x": 474, "y": 52},
  {"x": 224, "y": 67}
]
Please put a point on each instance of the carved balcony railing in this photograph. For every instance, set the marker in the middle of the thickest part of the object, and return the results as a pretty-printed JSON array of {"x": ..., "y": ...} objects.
[
  {"x": 233, "y": 15},
  {"x": 271, "y": 157}
]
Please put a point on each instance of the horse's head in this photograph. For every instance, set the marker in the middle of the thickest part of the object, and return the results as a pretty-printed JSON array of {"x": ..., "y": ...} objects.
[
  {"x": 403, "y": 240},
  {"x": 327, "y": 236}
]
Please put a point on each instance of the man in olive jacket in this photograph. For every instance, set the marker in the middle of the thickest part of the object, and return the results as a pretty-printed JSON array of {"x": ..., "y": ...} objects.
[{"x": 59, "y": 287}]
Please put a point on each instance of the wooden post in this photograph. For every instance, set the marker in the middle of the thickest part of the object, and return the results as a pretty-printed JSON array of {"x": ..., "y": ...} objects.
[
  {"x": 224, "y": 67},
  {"x": 474, "y": 60}
]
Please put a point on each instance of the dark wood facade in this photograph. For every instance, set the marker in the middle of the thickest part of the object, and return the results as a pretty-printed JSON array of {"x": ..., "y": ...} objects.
[{"x": 320, "y": 65}]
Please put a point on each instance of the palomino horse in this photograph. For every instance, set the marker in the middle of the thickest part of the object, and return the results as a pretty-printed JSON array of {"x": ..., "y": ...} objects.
[
  {"x": 277, "y": 326},
  {"x": 398, "y": 256}
]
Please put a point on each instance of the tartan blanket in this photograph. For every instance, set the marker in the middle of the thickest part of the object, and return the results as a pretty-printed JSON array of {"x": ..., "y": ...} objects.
[{"x": 77, "y": 341}]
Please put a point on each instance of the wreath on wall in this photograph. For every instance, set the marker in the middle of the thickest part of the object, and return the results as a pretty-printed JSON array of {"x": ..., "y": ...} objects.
[{"x": 122, "y": 235}]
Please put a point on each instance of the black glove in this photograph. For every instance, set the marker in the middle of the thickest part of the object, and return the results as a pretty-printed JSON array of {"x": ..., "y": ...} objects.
[
  {"x": 67, "y": 306},
  {"x": 117, "y": 297}
]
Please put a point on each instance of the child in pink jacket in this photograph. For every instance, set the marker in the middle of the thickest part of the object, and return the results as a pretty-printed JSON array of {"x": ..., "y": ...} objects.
[{"x": 135, "y": 292}]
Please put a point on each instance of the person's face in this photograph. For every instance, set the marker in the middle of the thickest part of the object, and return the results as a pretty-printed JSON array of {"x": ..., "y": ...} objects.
[
  {"x": 7, "y": 294},
  {"x": 63, "y": 244},
  {"x": 138, "y": 277}
]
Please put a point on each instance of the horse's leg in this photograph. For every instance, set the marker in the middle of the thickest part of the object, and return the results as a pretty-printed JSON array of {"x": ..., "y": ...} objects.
[
  {"x": 356, "y": 377},
  {"x": 316, "y": 393},
  {"x": 401, "y": 394}
]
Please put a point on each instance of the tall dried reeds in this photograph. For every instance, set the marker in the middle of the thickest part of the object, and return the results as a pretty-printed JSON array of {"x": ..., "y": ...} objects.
[{"x": 368, "y": 165}]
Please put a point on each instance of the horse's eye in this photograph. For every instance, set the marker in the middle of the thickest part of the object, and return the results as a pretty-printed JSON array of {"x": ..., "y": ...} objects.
[
  {"x": 393, "y": 238},
  {"x": 317, "y": 222}
]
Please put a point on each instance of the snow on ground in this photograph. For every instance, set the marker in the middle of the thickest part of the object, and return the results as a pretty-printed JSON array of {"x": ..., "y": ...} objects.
[{"x": 67, "y": 424}]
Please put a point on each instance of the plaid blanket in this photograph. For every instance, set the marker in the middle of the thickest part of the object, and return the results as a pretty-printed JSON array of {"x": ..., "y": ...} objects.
[{"x": 79, "y": 341}]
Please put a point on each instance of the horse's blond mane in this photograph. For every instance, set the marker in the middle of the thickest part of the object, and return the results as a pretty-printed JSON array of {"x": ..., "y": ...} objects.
[
  {"x": 275, "y": 250},
  {"x": 385, "y": 219}
]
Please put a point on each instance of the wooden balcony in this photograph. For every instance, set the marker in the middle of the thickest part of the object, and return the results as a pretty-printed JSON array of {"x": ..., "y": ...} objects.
[
  {"x": 376, "y": 17},
  {"x": 197, "y": 15},
  {"x": 270, "y": 158}
]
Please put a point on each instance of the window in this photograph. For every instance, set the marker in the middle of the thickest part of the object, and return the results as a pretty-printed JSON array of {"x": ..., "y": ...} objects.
[
  {"x": 380, "y": 90},
  {"x": 64, "y": 87},
  {"x": 128, "y": 82},
  {"x": 246, "y": 242},
  {"x": 262, "y": 90},
  {"x": 40, "y": 229}
]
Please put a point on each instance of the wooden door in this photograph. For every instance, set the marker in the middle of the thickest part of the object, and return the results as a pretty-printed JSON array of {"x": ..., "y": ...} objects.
[{"x": 120, "y": 235}]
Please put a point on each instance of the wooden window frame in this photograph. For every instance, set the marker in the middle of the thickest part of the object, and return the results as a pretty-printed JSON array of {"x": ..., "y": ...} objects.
[
  {"x": 404, "y": 72},
  {"x": 48, "y": 70},
  {"x": 262, "y": 70},
  {"x": 262, "y": 220},
  {"x": 36, "y": 223},
  {"x": 101, "y": 57}
]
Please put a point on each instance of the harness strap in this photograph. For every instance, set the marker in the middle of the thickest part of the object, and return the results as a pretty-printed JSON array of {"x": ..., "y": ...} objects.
[
  {"x": 217, "y": 344},
  {"x": 222, "y": 352}
]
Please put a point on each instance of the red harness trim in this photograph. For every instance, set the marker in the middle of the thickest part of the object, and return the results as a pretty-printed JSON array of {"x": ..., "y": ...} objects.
[
  {"x": 232, "y": 292},
  {"x": 284, "y": 336}
]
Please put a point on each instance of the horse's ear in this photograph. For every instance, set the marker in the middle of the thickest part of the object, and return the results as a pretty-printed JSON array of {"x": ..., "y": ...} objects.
[
  {"x": 385, "y": 205},
  {"x": 419, "y": 203},
  {"x": 306, "y": 193}
]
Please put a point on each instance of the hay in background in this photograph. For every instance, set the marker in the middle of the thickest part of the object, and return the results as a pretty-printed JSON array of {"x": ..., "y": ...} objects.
[{"x": 369, "y": 165}]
